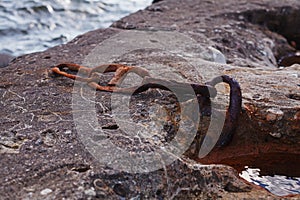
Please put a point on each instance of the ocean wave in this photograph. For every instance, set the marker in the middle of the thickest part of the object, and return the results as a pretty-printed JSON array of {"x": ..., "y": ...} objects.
[{"x": 34, "y": 25}]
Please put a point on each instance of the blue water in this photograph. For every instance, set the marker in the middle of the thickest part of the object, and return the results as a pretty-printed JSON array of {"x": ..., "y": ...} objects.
[
  {"x": 28, "y": 26},
  {"x": 277, "y": 184}
]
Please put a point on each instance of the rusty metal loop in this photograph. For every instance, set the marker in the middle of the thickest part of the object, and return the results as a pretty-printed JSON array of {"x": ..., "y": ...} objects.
[{"x": 233, "y": 111}]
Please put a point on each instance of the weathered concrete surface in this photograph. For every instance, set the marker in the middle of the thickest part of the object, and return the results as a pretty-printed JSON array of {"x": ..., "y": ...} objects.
[{"x": 42, "y": 155}]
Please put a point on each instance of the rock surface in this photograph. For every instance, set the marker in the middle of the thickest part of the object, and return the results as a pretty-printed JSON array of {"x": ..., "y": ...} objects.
[
  {"x": 43, "y": 154},
  {"x": 5, "y": 59}
]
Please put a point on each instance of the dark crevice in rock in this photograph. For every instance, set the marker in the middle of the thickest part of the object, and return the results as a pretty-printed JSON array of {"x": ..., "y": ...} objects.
[
  {"x": 289, "y": 59},
  {"x": 294, "y": 96},
  {"x": 111, "y": 127},
  {"x": 256, "y": 147},
  {"x": 121, "y": 190},
  {"x": 283, "y": 21},
  {"x": 269, "y": 163},
  {"x": 80, "y": 168},
  {"x": 231, "y": 187},
  {"x": 156, "y": 1}
]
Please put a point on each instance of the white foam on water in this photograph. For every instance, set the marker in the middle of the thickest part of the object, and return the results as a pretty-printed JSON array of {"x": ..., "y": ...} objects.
[{"x": 35, "y": 25}]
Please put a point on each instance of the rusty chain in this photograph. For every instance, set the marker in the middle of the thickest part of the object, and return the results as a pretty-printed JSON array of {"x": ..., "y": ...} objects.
[{"x": 203, "y": 92}]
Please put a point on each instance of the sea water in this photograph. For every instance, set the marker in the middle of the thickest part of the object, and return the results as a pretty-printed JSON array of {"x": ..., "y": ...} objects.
[
  {"x": 28, "y": 26},
  {"x": 276, "y": 184}
]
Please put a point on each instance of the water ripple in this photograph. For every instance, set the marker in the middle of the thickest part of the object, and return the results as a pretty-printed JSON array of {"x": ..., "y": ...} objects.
[
  {"x": 277, "y": 184},
  {"x": 35, "y": 25}
]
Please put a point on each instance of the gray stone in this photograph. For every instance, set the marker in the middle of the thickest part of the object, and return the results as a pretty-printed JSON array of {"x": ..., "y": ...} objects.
[
  {"x": 5, "y": 59},
  {"x": 46, "y": 191}
]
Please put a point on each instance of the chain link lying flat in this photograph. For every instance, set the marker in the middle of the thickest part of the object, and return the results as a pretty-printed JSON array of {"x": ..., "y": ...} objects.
[
  {"x": 120, "y": 71},
  {"x": 203, "y": 92},
  {"x": 92, "y": 79}
]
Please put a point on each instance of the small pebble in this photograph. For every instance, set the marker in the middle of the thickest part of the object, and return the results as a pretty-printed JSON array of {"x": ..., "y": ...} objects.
[
  {"x": 80, "y": 188},
  {"x": 275, "y": 135},
  {"x": 274, "y": 114},
  {"x": 46, "y": 191},
  {"x": 4, "y": 60},
  {"x": 90, "y": 192}
]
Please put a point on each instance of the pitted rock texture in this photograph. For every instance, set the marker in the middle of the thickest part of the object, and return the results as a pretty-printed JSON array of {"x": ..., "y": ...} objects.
[
  {"x": 42, "y": 155},
  {"x": 253, "y": 36}
]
